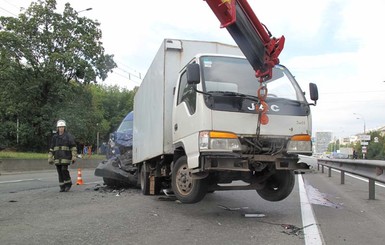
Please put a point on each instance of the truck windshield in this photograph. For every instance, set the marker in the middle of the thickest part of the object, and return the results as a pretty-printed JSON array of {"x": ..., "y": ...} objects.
[{"x": 231, "y": 74}]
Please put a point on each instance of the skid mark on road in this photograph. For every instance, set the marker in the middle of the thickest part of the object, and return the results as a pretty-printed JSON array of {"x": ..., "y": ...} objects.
[{"x": 316, "y": 197}]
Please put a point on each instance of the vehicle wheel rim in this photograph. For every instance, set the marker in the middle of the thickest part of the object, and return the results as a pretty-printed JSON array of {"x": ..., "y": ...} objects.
[{"x": 184, "y": 180}]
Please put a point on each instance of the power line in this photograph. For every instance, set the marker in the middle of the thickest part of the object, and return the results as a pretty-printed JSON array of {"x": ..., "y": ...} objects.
[
  {"x": 129, "y": 79},
  {"x": 134, "y": 72},
  {"x": 11, "y": 3},
  {"x": 9, "y": 12},
  {"x": 120, "y": 61},
  {"x": 130, "y": 73}
]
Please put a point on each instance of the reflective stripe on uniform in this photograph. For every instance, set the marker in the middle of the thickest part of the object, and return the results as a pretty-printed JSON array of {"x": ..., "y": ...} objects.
[
  {"x": 61, "y": 148},
  {"x": 62, "y": 161}
]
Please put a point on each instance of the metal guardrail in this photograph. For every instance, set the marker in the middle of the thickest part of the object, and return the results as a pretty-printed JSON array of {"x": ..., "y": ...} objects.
[
  {"x": 22, "y": 165},
  {"x": 373, "y": 170}
]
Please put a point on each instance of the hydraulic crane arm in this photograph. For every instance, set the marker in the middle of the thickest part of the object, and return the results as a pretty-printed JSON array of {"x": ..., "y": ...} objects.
[{"x": 251, "y": 36}]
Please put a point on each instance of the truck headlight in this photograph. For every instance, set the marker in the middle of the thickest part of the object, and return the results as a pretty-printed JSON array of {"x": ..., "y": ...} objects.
[
  {"x": 300, "y": 143},
  {"x": 216, "y": 140}
]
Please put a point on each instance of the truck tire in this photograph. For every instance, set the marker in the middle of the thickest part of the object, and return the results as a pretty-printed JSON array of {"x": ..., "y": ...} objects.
[
  {"x": 187, "y": 189},
  {"x": 144, "y": 180},
  {"x": 278, "y": 186}
]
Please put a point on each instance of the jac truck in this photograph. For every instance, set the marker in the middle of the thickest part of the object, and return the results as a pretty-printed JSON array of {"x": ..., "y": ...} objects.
[{"x": 197, "y": 126}]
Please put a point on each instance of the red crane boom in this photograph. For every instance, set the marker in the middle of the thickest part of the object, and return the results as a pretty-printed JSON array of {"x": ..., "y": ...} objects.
[{"x": 252, "y": 37}]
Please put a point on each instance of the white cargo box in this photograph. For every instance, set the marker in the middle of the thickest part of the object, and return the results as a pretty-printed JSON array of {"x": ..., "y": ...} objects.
[{"x": 153, "y": 101}]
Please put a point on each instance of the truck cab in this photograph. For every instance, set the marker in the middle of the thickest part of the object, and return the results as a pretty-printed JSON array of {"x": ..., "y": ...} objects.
[{"x": 215, "y": 117}]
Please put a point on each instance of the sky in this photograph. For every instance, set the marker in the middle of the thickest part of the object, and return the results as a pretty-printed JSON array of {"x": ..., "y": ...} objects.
[{"x": 337, "y": 44}]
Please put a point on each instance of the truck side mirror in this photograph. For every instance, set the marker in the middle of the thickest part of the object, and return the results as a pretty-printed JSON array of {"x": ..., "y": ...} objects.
[
  {"x": 193, "y": 73},
  {"x": 313, "y": 92}
]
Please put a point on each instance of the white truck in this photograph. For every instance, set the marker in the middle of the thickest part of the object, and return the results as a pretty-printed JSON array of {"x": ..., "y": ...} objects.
[{"x": 196, "y": 127}]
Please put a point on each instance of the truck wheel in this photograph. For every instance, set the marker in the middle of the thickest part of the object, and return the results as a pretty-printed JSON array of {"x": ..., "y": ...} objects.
[
  {"x": 278, "y": 186},
  {"x": 144, "y": 180},
  {"x": 187, "y": 189}
]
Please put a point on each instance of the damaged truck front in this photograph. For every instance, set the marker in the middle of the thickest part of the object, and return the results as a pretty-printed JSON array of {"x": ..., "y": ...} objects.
[
  {"x": 197, "y": 127},
  {"x": 117, "y": 170}
]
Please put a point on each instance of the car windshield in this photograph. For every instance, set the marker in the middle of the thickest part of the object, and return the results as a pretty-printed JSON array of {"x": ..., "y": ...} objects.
[
  {"x": 231, "y": 74},
  {"x": 125, "y": 126}
]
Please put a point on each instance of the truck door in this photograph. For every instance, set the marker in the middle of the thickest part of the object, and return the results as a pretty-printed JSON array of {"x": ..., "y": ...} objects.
[
  {"x": 185, "y": 111},
  {"x": 186, "y": 120}
]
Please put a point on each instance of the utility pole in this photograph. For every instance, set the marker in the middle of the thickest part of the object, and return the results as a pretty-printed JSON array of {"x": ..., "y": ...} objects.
[{"x": 97, "y": 142}]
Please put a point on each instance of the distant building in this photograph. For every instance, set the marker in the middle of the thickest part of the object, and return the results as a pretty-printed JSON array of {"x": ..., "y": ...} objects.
[
  {"x": 345, "y": 140},
  {"x": 382, "y": 130},
  {"x": 322, "y": 141},
  {"x": 353, "y": 138},
  {"x": 348, "y": 140}
]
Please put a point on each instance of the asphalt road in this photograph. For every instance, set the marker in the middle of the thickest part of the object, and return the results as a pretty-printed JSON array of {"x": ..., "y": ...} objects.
[{"x": 32, "y": 211}]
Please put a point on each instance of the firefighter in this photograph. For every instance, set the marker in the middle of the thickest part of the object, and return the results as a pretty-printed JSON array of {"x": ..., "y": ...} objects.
[{"x": 62, "y": 153}]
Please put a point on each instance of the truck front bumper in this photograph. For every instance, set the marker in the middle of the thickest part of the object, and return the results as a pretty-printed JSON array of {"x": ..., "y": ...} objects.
[{"x": 220, "y": 161}]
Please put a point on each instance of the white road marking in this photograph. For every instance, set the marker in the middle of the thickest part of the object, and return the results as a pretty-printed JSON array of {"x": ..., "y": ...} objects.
[
  {"x": 312, "y": 233},
  {"x": 17, "y": 181}
]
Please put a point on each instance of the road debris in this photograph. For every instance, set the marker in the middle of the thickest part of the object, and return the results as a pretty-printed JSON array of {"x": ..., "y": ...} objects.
[
  {"x": 167, "y": 198},
  {"x": 231, "y": 209},
  {"x": 108, "y": 189},
  {"x": 294, "y": 230},
  {"x": 254, "y": 215},
  {"x": 246, "y": 215},
  {"x": 168, "y": 192},
  {"x": 169, "y": 195},
  {"x": 97, "y": 187}
]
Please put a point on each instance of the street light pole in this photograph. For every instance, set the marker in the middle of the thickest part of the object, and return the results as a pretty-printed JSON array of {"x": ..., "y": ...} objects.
[
  {"x": 363, "y": 148},
  {"x": 87, "y": 9}
]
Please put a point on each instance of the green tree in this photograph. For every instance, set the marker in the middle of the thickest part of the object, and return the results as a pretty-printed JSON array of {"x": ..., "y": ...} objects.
[
  {"x": 376, "y": 149},
  {"x": 334, "y": 146},
  {"x": 112, "y": 105},
  {"x": 95, "y": 108},
  {"x": 43, "y": 56}
]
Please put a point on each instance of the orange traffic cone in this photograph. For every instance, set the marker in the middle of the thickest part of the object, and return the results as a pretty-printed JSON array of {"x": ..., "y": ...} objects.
[{"x": 80, "y": 180}]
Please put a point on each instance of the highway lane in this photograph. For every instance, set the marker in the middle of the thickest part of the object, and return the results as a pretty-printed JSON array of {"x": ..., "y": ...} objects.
[
  {"x": 344, "y": 212},
  {"x": 24, "y": 181},
  {"x": 33, "y": 211}
]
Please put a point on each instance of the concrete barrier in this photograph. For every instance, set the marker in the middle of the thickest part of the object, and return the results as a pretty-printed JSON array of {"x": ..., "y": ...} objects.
[{"x": 22, "y": 165}]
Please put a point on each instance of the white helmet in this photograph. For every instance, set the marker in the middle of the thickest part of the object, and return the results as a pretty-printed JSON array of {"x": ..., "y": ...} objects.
[{"x": 61, "y": 123}]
